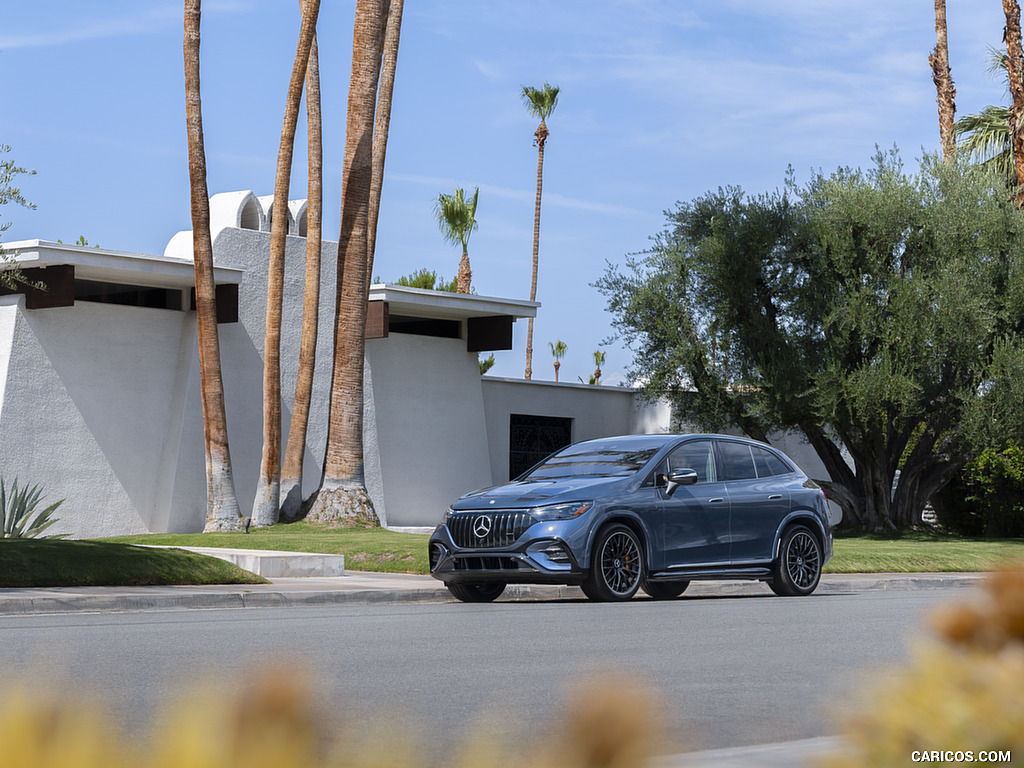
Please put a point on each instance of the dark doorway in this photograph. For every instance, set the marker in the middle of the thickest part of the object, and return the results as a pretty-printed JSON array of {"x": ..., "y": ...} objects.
[{"x": 533, "y": 438}]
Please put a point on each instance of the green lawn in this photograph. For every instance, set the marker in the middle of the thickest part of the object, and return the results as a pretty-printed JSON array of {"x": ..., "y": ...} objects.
[
  {"x": 377, "y": 549},
  {"x": 365, "y": 549},
  {"x": 920, "y": 552},
  {"x": 55, "y": 563}
]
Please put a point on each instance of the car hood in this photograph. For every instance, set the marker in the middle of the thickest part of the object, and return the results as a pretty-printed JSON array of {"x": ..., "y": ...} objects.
[{"x": 529, "y": 493}]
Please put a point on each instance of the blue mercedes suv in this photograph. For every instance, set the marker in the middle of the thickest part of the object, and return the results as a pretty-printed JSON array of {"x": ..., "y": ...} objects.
[{"x": 650, "y": 512}]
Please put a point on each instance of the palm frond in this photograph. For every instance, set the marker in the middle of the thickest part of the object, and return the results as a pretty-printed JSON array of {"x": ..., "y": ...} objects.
[
  {"x": 540, "y": 102},
  {"x": 985, "y": 139},
  {"x": 456, "y": 216}
]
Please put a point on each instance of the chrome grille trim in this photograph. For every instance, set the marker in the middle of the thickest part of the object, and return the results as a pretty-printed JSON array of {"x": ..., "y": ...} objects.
[{"x": 505, "y": 528}]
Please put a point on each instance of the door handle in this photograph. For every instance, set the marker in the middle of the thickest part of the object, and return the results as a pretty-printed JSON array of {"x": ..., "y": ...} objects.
[
  {"x": 715, "y": 501},
  {"x": 775, "y": 497}
]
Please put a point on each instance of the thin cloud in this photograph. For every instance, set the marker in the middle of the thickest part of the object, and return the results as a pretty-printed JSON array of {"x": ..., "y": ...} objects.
[
  {"x": 523, "y": 195},
  {"x": 142, "y": 23}
]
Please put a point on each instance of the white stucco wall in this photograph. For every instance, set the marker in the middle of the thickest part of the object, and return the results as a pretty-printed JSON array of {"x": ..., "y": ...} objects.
[
  {"x": 596, "y": 411},
  {"x": 429, "y": 419},
  {"x": 88, "y": 398}
]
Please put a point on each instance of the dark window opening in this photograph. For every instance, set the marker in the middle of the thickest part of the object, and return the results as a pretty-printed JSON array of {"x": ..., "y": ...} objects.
[
  {"x": 424, "y": 326},
  {"x": 531, "y": 439},
  {"x": 128, "y": 295}
]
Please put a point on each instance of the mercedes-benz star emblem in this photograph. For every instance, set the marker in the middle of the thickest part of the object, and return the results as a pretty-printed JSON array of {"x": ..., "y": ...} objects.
[{"x": 482, "y": 526}]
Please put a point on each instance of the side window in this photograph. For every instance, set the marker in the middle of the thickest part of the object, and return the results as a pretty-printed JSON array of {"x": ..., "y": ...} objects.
[
  {"x": 737, "y": 462},
  {"x": 768, "y": 464},
  {"x": 699, "y": 456}
]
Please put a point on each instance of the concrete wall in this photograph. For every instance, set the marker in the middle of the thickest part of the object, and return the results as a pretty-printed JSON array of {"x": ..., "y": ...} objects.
[
  {"x": 595, "y": 411},
  {"x": 88, "y": 410}
]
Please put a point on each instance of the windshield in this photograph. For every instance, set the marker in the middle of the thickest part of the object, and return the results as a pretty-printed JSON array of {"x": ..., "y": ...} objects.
[{"x": 593, "y": 460}]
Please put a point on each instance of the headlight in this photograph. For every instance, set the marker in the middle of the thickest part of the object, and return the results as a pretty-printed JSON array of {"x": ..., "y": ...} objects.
[{"x": 561, "y": 511}]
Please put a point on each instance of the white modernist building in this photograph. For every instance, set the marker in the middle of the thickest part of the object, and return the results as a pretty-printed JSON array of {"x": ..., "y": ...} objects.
[{"x": 99, "y": 382}]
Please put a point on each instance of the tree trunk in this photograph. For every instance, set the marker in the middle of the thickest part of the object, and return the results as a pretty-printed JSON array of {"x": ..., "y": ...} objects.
[
  {"x": 291, "y": 472},
  {"x": 266, "y": 505},
  {"x": 943, "y": 80},
  {"x": 465, "y": 276},
  {"x": 342, "y": 495},
  {"x": 1014, "y": 67},
  {"x": 382, "y": 124},
  {"x": 222, "y": 513},
  {"x": 540, "y": 138}
]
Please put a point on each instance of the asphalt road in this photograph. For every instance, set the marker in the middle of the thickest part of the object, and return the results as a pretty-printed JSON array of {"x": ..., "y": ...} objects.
[{"x": 727, "y": 671}]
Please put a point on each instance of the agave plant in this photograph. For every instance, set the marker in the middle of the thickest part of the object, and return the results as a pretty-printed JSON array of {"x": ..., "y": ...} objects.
[{"x": 18, "y": 507}]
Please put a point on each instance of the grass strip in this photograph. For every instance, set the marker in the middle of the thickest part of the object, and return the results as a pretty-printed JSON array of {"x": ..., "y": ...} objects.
[
  {"x": 58, "y": 563},
  {"x": 920, "y": 552},
  {"x": 365, "y": 549}
]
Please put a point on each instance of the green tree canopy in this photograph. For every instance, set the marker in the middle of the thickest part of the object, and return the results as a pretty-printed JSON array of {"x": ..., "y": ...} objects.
[
  {"x": 878, "y": 314},
  {"x": 11, "y": 276}
]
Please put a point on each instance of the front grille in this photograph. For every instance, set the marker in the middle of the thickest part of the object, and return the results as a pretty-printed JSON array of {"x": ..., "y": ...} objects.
[
  {"x": 477, "y": 530},
  {"x": 485, "y": 564}
]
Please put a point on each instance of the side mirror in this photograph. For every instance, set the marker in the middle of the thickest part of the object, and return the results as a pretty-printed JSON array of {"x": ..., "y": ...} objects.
[{"x": 679, "y": 477}]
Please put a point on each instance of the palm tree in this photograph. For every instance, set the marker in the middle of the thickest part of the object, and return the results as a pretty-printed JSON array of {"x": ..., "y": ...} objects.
[
  {"x": 222, "y": 513},
  {"x": 984, "y": 138},
  {"x": 540, "y": 102},
  {"x": 342, "y": 494},
  {"x": 291, "y": 471},
  {"x": 558, "y": 350},
  {"x": 1015, "y": 74},
  {"x": 598, "y": 362},
  {"x": 266, "y": 505},
  {"x": 382, "y": 122},
  {"x": 943, "y": 79},
  {"x": 456, "y": 216}
]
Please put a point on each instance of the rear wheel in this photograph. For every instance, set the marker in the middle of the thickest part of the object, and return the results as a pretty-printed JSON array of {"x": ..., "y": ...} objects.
[
  {"x": 477, "y": 593},
  {"x": 665, "y": 590},
  {"x": 797, "y": 569},
  {"x": 617, "y": 567}
]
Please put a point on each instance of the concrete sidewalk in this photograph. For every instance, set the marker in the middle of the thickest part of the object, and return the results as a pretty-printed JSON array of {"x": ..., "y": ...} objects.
[{"x": 359, "y": 587}]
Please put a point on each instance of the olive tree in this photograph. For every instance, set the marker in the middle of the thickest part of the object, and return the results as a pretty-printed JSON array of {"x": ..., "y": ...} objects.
[{"x": 878, "y": 314}]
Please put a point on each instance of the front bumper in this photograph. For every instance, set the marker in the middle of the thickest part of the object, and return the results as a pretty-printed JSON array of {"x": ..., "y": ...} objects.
[{"x": 536, "y": 557}]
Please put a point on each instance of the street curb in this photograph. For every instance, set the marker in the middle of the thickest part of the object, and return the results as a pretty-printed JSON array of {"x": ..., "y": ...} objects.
[{"x": 107, "y": 599}]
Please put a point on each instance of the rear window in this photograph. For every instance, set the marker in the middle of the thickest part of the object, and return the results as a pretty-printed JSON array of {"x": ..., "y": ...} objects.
[{"x": 768, "y": 464}]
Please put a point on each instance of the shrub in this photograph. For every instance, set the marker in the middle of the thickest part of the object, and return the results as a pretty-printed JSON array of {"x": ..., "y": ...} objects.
[
  {"x": 987, "y": 497},
  {"x": 18, "y": 507},
  {"x": 962, "y": 693}
]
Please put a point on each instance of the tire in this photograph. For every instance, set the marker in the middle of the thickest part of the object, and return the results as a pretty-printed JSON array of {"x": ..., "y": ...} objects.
[
  {"x": 797, "y": 569},
  {"x": 617, "y": 566},
  {"x": 477, "y": 593},
  {"x": 665, "y": 590}
]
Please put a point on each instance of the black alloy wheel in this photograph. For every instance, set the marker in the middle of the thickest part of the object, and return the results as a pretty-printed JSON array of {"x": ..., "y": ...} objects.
[
  {"x": 617, "y": 567},
  {"x": 797, "y": 569},
  {"x": 665, "y": 590},
  {"x": 477, "y": 593}
]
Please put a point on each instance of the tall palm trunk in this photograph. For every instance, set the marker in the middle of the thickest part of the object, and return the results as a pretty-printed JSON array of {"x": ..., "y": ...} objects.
[
  {"x": 943, "y": 80},
  {"x": 266, "y": 505},
  {"x": 1014, "y": 66},
  {"x": 541, "y": 136},
  {"x": 382, "y": 123},
  {"x": 342, "y": 494},
  {"x": 222, "y": 513},
  {"x": 291, "y": 472}
]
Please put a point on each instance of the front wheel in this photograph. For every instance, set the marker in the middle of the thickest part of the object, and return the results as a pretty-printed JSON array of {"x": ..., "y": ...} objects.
[
  {"x": 797, "y": 569},
  {"x": 617, "y": 567},
  {"x": 477, "y": 593}
]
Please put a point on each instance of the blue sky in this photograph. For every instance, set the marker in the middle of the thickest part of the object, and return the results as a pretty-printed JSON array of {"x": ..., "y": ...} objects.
[{"x": 661, "y": 101}]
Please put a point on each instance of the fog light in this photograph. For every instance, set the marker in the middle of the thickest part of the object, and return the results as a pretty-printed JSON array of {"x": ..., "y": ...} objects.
[{"x": 557, "y": 554}]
